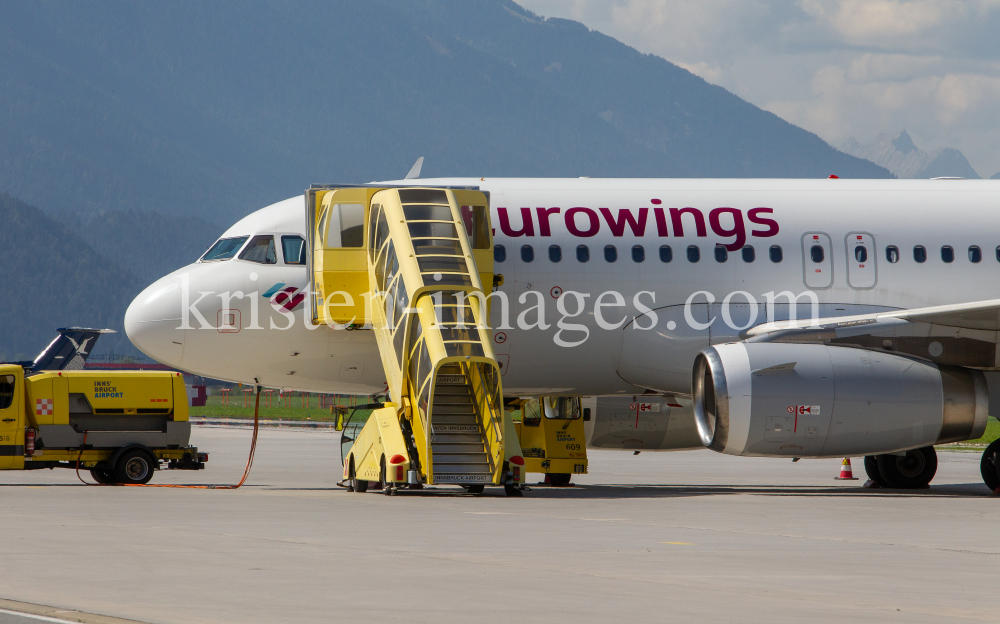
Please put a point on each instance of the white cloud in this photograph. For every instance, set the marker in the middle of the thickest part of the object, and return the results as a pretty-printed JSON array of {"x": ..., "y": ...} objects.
[{"x": 838, "y": 68}]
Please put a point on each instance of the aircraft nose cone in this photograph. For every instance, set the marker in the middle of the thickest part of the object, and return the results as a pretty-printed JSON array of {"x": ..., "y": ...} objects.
[{"x": 153, "y": 319}]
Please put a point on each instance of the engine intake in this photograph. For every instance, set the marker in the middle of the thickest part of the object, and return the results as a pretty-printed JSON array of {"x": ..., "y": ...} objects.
[{"x": 804, "y": 400}]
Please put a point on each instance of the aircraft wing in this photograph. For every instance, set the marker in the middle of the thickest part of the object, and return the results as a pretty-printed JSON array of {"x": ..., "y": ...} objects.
[{"x": 964, "y": 334}]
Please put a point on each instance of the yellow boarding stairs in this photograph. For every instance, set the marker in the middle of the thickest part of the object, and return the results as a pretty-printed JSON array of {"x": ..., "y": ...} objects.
[{"x": 409, "y": 264}]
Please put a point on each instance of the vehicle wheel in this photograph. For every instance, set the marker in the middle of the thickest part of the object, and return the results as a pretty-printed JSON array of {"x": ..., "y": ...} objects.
[
  {"x": 475, "y": 489},
  {"x": 871, "y": 469},
  {"x": 134, "y": 467},
  {"x": 512, "y": 490},
  {"x": 358, "y": 485},
  {"x": 103, "y": 475},
  {"x": 908, "y": 472},
  {"x": 559, "y": 479},
  {"x": 989, "y": 465}
]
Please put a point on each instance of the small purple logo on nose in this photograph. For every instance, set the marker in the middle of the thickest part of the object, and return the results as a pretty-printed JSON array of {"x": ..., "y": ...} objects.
[{"x": 287, "y": 298}]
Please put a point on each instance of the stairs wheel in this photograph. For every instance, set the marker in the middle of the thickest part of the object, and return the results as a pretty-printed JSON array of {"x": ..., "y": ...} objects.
[
  {"x": 559, "y": 479},
  {"x": 357, "y": 485},
  {"x": 475, "y": 489},
  {"x": 512, "y": 490}
]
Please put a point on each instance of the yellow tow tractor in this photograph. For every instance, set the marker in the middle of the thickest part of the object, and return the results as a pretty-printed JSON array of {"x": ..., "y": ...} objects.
[
  {"x": 119, "y": 425},
  {"x": 552, "y": 436}
]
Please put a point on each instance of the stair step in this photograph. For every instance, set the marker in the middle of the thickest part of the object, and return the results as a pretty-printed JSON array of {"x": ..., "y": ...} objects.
[
  {"x": 445, "y": 448},
  {"x": 462, "y": 478},
  {"x": 470, "y": 458},
  {"x": 452, "y": 399},
  {"x": 453, "y": 410},
  {"x": 462, "y": 437},
  {"x": 453, "y": 469}
]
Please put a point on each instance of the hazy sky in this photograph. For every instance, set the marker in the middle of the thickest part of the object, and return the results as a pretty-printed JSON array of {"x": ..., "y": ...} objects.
[{"x": 839, "y": 68}]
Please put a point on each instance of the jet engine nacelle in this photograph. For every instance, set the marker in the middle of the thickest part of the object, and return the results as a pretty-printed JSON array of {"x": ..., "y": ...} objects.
[{"x": 805, "y": 400}]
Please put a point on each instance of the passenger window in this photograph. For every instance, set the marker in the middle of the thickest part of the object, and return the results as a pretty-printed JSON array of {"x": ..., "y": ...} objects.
[
  {"x": 555, "y": 253},
  {"x": 227, "y": 248},
  {"x": 892, "y": 254},
  {"x": 721, "y": 253},
  {"x": 583, "y": 253},
  {"x": 499, "y": 253},
  {"x": 6, "y": 391},
  {"x": 293, "y": 249},
  {"x": 947, "y": 254},
  {"x": 749, "y": 255},
  {"x": 260, "y": 250},
  {"x": 527, "y": 253},
  {"x": 816, "y": 253},
  {"x": 975, "y": 254},
  {"x": 345, "y": 227},
  {"x": 694, "y": 254},
  {"x": 775, "y": 253},
  {"x": 667, "y": 254},
  {"x": 610, "y": 253},
  {"x": 638, "y": 253},
  {"x": 861, "y": 253},
  {"x": 920, "y": 253}
]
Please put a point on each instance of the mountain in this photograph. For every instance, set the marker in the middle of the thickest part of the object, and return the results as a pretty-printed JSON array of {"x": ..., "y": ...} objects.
[
  {"x": 996, "y": 176},
  {"x": 213, "y": 109},
  {"x": 55, "y": 279},
  {"x": 149, "y": 244},
  {"x": 898, "y": 154}
]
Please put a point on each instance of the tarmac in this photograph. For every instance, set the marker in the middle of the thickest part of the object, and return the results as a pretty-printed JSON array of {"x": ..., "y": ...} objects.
[{"x": 685, "y": 537}]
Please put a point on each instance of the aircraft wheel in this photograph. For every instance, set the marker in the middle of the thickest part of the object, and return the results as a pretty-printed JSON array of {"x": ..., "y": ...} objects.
[
  {"x": 908, "y": 472},
  {"x": 559, "y": 479},
  {"x": 989, "y": 465},
  {"x": 871, "y": 469}
]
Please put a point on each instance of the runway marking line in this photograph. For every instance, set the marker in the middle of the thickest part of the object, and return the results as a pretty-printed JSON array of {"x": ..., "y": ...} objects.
[
  {"x": 680, "y": 543},
  {"x": 491, "y": 513},
  {"x": 32, "y": 616}
]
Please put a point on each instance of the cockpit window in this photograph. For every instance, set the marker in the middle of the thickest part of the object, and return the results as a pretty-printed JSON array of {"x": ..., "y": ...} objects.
[
  {"x": 224, "y": 249},
  {"x": 294, "y": 249},
  {"x": 260, "y": 249}
]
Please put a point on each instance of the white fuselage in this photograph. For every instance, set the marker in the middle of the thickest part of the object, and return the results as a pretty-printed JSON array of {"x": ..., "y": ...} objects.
[{"x": 242, "y": 340}]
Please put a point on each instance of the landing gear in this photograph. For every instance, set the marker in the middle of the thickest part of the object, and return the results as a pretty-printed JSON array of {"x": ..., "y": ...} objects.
[
  {"x": 871, "y": 469},
  {"x": 911, "y": 471},
  {"x": 989, "y": 465}
]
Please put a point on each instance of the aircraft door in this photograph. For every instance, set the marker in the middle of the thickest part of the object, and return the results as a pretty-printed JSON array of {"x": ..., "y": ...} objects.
[
  {"x": 861, "y": 258},
  {"x": 817, "y": 260}
]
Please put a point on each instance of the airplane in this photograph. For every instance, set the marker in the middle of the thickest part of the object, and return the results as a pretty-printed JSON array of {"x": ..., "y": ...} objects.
[{"x": 766, "y": 317}]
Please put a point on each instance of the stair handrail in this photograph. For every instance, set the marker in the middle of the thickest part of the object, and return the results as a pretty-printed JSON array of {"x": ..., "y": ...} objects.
[{"x": 494, "y": 420}]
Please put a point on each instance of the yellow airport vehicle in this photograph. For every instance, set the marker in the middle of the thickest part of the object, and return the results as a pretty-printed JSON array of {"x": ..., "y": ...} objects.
[
  {"x": 552, "y": 437},
  {"x": 409, "y": 264},
  {"x": 120, "y": 425}
]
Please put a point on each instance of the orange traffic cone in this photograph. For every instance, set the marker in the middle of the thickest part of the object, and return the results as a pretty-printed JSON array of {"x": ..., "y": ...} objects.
[{"x": 845, "y": 471}]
